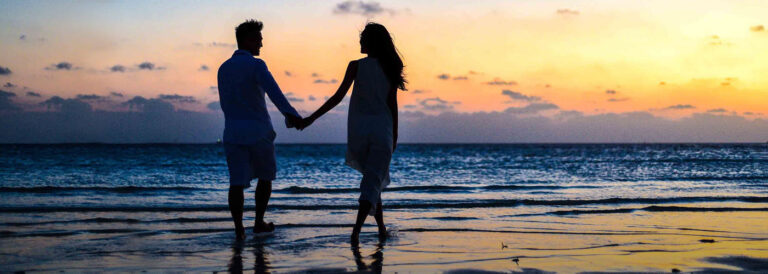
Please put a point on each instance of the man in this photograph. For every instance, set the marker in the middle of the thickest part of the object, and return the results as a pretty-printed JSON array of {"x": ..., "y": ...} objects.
[{"x": 248, "y": 134}]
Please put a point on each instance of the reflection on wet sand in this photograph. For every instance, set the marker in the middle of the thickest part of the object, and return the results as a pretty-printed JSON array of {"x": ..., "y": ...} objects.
[
  {"x": 260, "y": 264},
  {"x": 378, "y": 259}
]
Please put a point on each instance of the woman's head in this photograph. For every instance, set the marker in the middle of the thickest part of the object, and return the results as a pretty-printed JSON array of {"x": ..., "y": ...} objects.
[{"x": 377, "y": 43}]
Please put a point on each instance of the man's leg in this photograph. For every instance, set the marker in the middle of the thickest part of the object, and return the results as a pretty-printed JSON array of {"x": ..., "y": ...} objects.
[
  {"x": 236, "y": 208},
  {"x": 262, "y": 194}
]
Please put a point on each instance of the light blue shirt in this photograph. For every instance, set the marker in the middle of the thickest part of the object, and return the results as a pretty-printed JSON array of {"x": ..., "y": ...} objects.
[{"x": 243, "y": 80}]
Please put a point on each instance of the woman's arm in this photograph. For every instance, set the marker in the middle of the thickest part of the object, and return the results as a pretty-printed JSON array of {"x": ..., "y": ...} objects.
[
  {"x": 349, "y": 77},
  {"x": 392, "y": 103}
]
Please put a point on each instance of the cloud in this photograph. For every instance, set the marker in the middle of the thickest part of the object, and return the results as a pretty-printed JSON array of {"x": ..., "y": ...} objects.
[
  {"x": 203, "y": 68},
  {"x": 717, "y": 110},
  {"x": 321, "y": 81},
  {"x": 311, "y": 98},
  {"x": 148, "y": 66},
  {"x": 5, "y": 71},
  {"x": 462, "y": 77},
  {"x": 363, "y": 8},
  {"x": 680, "y": 106},
  {"x": 499, "y": 82},
  {"x": 33, "y": 94},
  {"x": 149, "y": 105},
  {"x": 288, "y": 73},
  {"x": 222, "y": 45},
  {"x": 9, "y": 85},
  {"x": 436, "y": 104},
  {"x": 23, "y": 37},
  {"x": 532, "y": 108},
  {"x": 116, "y": 94},
  {"x": 610, "y": 91},
  {"x": 613, "y": 100},
  {"x": 5, "y": 101},
  {"x": 567, "y": 12},
  {"x": 61, "y": 66},
  {"x": 519, "y": 96},
  {"x": 91, "y": 97},
  {"x": 443, "y": 76},
  {"x": 117, "y": 68},
  {"x": 419, "y": 91},
  {"x": 758, "y": 28},
  {"x": 215, "y": 106},
  {"x": 292, "y": 98},
  {"x": 315, "y": 74},
  {"x": 156, "y": 121},
  {"x": 177, "y": 98},
  {"x": 75, "y": 106}
]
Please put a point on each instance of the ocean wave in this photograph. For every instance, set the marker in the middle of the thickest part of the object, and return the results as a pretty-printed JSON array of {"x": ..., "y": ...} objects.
[
  {"x": 308, "y": 190},
  {"x": 420, "y": 204},
  {"x": 119, "y": 189},
  {"x": 654, "y": 208}
]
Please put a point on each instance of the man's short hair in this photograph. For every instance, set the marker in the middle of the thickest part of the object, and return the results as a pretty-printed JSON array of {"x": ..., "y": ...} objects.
[{"x": 248, "y": 29}]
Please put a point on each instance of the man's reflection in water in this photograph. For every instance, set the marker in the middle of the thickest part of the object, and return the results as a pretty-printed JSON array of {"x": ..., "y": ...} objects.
[
  {"x": 261, "y": 263},
  {"x": 378, "y": 259},
  {"x": 236, "y": 263}
]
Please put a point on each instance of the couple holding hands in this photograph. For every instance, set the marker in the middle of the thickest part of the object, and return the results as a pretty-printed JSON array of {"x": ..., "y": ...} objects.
[{"x": 249, "y": 136}]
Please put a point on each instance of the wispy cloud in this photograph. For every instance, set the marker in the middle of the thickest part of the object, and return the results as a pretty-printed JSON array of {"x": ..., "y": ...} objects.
[
  {"x": 499, "y": 82},
  {"x": 9, "y": 85},
  {"x": 368, "y": 9},
  {"x": 149, "y": 66},
  {"x": 177, "y": 98},
  {"x": 203, "y": 68},
  {"x": 321, "y": 81},
  {"x": 444, "y": 76},
  {"x": 514, "y": 95},
  {"x": 5, "y": 71},
  {"x": 117, "y": 68},
  {"x": 61, "y": 66},
  {"x": 758, "y": 28},
  {"x": 532, "y": 108},
  {"x": 436, "y": 104},
  {"x": 680, "y": 106},
  {"x": 33, "y": 94},
  {"x": 567, "y": 12}
]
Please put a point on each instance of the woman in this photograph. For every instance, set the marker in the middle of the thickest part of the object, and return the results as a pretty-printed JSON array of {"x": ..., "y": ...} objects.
[{"x": 372, "y": 122}]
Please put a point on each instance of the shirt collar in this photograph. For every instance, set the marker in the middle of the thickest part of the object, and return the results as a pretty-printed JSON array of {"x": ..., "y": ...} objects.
[{"x": 242, "y": 52}]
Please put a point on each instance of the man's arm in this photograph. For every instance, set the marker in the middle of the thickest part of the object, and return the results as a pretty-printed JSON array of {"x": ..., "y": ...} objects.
[{"x": 267, "y": 82}]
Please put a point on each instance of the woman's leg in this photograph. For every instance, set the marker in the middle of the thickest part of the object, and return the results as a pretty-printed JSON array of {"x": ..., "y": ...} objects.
[
  {"x": 379, "y": 216},
  {"x": 362, "y": 213}
]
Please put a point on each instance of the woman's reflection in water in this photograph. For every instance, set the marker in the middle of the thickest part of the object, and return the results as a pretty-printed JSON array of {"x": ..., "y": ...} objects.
[
  {"x": 261, "y": 263},
  {"x": 378, "y": 259}
]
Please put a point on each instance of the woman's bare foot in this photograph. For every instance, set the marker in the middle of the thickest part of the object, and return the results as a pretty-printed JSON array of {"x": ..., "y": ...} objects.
[
  {"x": 382, "y": 232},
  {"x": 355, "y": 238},
  {"x": 263, "y": 227}
]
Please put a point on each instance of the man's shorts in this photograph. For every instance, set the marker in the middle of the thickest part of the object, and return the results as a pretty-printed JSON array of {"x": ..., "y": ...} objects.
[{"x": 248, "y": 162}]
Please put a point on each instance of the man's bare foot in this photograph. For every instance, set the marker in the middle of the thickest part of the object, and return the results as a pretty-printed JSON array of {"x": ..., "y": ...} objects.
[
  {"x": 240, "y": 233},
  {"x": 263, "y": 227}
]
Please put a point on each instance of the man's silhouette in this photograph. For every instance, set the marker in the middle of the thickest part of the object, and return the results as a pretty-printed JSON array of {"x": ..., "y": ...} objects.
[{"x": 248, "y": 134}]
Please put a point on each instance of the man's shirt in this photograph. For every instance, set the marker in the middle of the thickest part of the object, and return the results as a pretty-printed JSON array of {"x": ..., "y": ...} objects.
[{"x": 243, "y": 80}]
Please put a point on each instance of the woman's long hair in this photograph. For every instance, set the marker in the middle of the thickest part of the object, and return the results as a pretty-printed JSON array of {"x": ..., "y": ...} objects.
[{"x": 378, "y": 44}]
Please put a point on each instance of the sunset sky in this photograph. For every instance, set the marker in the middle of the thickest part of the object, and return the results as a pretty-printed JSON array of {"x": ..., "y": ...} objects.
[{"x": 670, "y": 59}]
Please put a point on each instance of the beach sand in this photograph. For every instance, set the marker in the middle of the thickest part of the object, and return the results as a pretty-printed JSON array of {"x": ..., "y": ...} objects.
[{"x": 420, "y": 242}]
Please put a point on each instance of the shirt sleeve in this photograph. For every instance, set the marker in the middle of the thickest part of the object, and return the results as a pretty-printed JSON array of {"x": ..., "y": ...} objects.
[{"x": 267, "y": 82}]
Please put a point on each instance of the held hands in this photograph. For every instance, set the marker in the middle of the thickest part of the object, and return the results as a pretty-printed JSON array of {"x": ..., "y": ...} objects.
[{"x": 299, "y": 123}]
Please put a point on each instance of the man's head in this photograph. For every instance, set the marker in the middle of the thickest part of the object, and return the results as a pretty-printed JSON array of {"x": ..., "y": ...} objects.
[{"x": 248, "y": 36}]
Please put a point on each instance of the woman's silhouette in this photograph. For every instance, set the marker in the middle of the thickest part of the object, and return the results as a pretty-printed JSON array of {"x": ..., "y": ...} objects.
[{"x": 372, "y": 121}]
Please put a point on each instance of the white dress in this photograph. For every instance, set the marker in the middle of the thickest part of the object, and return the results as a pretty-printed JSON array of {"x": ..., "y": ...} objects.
[{"x": 369, "y": 130}]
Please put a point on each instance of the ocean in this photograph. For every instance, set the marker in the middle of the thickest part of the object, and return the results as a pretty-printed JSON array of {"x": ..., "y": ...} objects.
[{"x": 163, "y": 207}]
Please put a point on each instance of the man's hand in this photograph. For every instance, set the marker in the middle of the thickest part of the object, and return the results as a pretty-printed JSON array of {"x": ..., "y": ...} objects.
[{"x": 294, "y": 121}]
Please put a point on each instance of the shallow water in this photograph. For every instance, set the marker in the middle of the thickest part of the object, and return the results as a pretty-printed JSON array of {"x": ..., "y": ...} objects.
[{"x": 557, "y": 208}]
